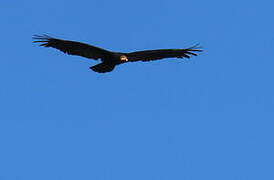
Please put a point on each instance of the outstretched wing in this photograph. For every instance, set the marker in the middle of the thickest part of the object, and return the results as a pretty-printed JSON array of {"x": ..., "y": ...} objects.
[
  {"x": 163, "y": 53},
  {"x": 71, "y": 47},
  {"x": 103, "y": 67}
]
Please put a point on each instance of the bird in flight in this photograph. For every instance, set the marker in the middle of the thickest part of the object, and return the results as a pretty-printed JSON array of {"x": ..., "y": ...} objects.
[{"x": 111, "y": 59}]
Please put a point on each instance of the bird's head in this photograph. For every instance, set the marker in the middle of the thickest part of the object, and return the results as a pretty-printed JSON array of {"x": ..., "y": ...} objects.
[{"x": 123, "y": 58}]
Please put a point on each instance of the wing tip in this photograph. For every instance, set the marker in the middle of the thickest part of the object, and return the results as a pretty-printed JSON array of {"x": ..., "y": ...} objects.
[
  {"x": 192, "y": 49},
  {"x": 197, "y": 47},
  {"x": 41, "y": 38}
]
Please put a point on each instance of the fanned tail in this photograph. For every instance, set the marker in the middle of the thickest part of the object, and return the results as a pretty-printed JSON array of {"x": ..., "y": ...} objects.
[{"x": 102, "y": 67}]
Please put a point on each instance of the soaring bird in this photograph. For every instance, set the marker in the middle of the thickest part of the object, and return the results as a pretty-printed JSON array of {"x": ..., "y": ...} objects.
[{"x": 111, "y": 59}]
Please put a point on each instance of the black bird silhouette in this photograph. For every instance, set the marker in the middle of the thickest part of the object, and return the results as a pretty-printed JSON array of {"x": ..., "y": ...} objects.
[{"x": 111, "y": 59}]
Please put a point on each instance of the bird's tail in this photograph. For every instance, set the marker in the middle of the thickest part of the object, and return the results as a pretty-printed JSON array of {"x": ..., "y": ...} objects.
[{"x": 102, "y": 67}]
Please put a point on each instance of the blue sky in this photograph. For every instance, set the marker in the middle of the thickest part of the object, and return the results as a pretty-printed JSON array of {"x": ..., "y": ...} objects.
[{"x": 210, "y": 117}]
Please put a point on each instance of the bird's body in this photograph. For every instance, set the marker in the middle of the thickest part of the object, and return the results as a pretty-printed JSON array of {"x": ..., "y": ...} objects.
[{"x": 111, "y": 59}]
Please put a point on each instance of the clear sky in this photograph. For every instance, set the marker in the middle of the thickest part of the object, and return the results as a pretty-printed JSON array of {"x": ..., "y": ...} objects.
[{"x": 207, "y": 118}]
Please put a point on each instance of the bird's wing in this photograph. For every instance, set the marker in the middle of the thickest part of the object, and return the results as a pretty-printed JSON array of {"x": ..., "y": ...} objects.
[
  {"x": 71, "y": 47},
  {"x": 150, "y": 55},
  {"x": 103, "y": 67}
]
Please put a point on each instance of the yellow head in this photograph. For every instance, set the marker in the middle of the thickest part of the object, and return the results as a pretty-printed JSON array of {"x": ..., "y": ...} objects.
[{"x": 123, "y": 58}]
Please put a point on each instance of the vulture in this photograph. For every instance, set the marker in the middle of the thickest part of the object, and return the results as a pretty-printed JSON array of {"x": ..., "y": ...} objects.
[{"x": 110, "y": 59}]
